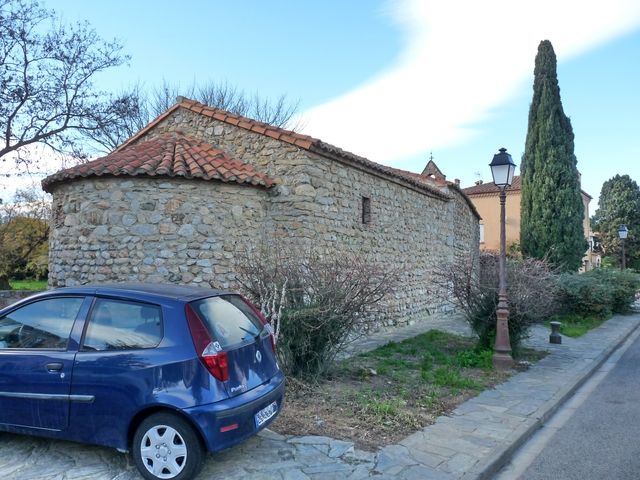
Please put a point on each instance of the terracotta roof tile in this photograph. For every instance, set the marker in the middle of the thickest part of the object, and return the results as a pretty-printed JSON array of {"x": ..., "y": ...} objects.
[
  {"x": 272, "y": 133},
  {"x": 171, "y": 155},
  {"x": 490, "y": 187},
  {"x": 219, "y": 116}
]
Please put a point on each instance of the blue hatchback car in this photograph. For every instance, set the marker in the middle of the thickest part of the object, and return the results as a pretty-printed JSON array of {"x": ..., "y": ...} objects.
[{"x": 167, "y": 372}]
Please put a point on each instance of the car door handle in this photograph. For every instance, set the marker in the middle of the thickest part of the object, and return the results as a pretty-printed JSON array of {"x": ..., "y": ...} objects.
[{"x": 54, "y": 367}]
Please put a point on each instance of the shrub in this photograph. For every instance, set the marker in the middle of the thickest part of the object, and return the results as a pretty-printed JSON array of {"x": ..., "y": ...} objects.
[
  {"x": 585, "y": 295},
  {"x": 598, "y": 293},
  {"x": 626, "y": 285},
  {"x": 532, "y": 295},
  {"x": 316, "y": 303}
]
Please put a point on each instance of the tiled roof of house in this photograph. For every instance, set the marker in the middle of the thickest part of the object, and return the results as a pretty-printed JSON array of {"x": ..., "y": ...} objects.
[
  {"x": 171, "y": 155},
  {"x": 490, "y": 187},
  {"x": 303, "y": 141}
]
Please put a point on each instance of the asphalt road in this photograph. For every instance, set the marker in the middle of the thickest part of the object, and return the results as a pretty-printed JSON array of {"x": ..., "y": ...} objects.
[{"x": 594, "y": 436}]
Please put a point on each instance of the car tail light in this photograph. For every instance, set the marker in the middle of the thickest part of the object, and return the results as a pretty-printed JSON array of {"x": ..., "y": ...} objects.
[
  {"x": 228, "y": 428},
  {"x": 208, "y": 350},
  {"x": 264, "y": 321}
]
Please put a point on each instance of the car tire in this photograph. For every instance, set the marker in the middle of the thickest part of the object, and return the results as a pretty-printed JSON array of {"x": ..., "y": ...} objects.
[{"x": 167, "y": 447}]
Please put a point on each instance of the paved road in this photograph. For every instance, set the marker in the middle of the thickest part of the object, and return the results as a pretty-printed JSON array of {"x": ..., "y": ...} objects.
[{"x": 595, "y": 435}]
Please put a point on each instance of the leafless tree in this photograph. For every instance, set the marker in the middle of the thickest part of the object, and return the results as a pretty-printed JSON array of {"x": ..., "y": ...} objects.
[
  {"x": 532, "y": 288},
  {"x": 138, "y": 108},
  {"x": 46, "y": 73},
  {"x": 317, "y": 303}
]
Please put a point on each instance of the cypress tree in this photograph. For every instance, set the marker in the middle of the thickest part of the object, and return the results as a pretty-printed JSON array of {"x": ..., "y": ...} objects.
[{"x": 551, "y": 205}]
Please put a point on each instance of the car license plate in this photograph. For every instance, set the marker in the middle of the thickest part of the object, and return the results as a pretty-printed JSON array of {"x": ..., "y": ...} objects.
[{"x": 266, "y": 413}]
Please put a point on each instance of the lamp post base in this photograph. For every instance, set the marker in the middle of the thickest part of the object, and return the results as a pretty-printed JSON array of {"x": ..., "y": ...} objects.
[
  {"x": 502, "y": 358},
  {"x": 502, "y": 361}
]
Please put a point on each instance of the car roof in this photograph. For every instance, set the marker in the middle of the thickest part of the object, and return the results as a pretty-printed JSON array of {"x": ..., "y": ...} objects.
[{"x": 170, "y": 291}]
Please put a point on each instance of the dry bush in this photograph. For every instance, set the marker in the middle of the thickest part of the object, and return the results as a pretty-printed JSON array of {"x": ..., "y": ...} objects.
[
  {"x": 316, "y": 303},
  {"x": 532, "y": 295}
]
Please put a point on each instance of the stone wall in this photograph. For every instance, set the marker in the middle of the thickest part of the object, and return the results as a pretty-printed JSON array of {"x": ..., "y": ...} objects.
[
  {"x": 127, "y": 229},
  {"x": 151, "y": 230}
]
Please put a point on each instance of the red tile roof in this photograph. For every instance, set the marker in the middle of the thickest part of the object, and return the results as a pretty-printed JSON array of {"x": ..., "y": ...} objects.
[
  {"x": 303, "y": 141},
  {"x": 490, "y": 187},
  {"x": 167, "y": 155}
]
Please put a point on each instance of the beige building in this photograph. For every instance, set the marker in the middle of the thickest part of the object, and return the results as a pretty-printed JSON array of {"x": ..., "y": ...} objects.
[{"x": 485, "y": 197}]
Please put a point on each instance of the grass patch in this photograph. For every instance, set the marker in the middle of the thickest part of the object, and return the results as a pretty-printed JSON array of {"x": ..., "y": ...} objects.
[
  {"x": 575, "y": 325},
  {"x": 28, "y": 284},
  {"x": 381, "y": 396}
]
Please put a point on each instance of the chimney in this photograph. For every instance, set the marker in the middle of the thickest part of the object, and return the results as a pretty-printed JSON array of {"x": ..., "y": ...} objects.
[
  {"x": 180, "y": 98},
  {"x": 478, "y": 182},
  {"x": 456, "y": 181}
]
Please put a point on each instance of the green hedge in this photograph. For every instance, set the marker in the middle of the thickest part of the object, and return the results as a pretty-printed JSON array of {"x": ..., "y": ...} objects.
[{"x": 599, "y": 293}]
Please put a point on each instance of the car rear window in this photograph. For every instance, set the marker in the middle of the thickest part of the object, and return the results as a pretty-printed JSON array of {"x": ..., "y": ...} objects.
[
  {"x": 229, "y": 319},
  {"x": 123, "y": 325}
]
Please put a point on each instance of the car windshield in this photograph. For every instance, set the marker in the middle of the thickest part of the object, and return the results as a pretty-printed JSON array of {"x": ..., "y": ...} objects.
[{"x": 229, "y": 319}]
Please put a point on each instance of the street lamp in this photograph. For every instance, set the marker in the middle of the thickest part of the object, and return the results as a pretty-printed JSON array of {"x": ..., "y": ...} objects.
[
  {"x": 622, "y": 233},
  {"x": 502, "y": 169}
]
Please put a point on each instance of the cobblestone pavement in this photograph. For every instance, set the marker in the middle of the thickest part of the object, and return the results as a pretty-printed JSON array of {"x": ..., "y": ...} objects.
[{"x": 472, "y": 443}]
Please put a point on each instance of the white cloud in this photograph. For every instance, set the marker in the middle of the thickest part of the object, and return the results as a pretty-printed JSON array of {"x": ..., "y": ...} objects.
[{"x": 461, "y": 60}]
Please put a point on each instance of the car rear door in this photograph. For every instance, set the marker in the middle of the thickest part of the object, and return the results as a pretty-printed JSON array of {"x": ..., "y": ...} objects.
[
  {"x": 36, "y": 362},
  {"x": 243, "y": 337}
]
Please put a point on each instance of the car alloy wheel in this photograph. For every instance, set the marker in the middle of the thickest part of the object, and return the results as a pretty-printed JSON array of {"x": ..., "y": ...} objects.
[{"x": 166, "y": 447}]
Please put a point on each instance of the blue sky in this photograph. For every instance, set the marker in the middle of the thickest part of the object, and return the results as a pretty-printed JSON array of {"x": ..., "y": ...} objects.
[{"x": 396, "y": 80}]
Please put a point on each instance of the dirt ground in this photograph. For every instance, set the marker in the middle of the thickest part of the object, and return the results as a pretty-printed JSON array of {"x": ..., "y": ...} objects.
[{"x": 339, "y": 409}]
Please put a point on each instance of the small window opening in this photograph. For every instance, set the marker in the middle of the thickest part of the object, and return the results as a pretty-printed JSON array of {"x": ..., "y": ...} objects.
[{"x": 366, "y": 210}]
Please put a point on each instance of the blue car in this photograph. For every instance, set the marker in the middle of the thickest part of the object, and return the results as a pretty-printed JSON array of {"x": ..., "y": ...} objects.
[{"x": 167, "y": 372}]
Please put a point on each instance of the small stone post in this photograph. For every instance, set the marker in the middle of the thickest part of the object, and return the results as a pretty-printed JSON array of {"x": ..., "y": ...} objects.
[{"x": 555, "y": 336}]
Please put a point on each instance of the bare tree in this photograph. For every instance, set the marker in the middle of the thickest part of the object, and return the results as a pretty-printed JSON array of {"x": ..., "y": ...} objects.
[
  {"x": 129, "y": 113},
  {"x": 46, "y": 73},
  {"x": 135, "y": 108},
  {"x": 316, "y": 303},
  {"x": 278, "y": 112},
  {"x": 476, "y": 294}
]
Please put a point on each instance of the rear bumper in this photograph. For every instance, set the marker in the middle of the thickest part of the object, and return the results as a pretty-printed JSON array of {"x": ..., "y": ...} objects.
[{"x": 238, "y": 410}]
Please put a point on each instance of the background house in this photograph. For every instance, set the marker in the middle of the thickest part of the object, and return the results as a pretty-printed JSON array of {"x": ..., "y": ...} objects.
[
  {"x": 184, "y": 197},
  {"x": 486, "y": 198}
]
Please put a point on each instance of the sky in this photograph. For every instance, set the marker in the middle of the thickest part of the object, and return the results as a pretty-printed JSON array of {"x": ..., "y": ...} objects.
[{"x": 399, "y": 81}]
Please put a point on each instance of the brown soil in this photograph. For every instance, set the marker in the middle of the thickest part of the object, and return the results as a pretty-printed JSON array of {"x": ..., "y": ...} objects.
[{"x": 333, "y": 409}]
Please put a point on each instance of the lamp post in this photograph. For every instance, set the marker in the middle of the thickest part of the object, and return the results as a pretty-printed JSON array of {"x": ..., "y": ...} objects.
[
  {"x": 502, "y": 169},
  {"x": 622, "y": 233}
]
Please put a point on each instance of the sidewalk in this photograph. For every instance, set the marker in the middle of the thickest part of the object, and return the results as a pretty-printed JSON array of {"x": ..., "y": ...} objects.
[{"x": 472, "y": 443}]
